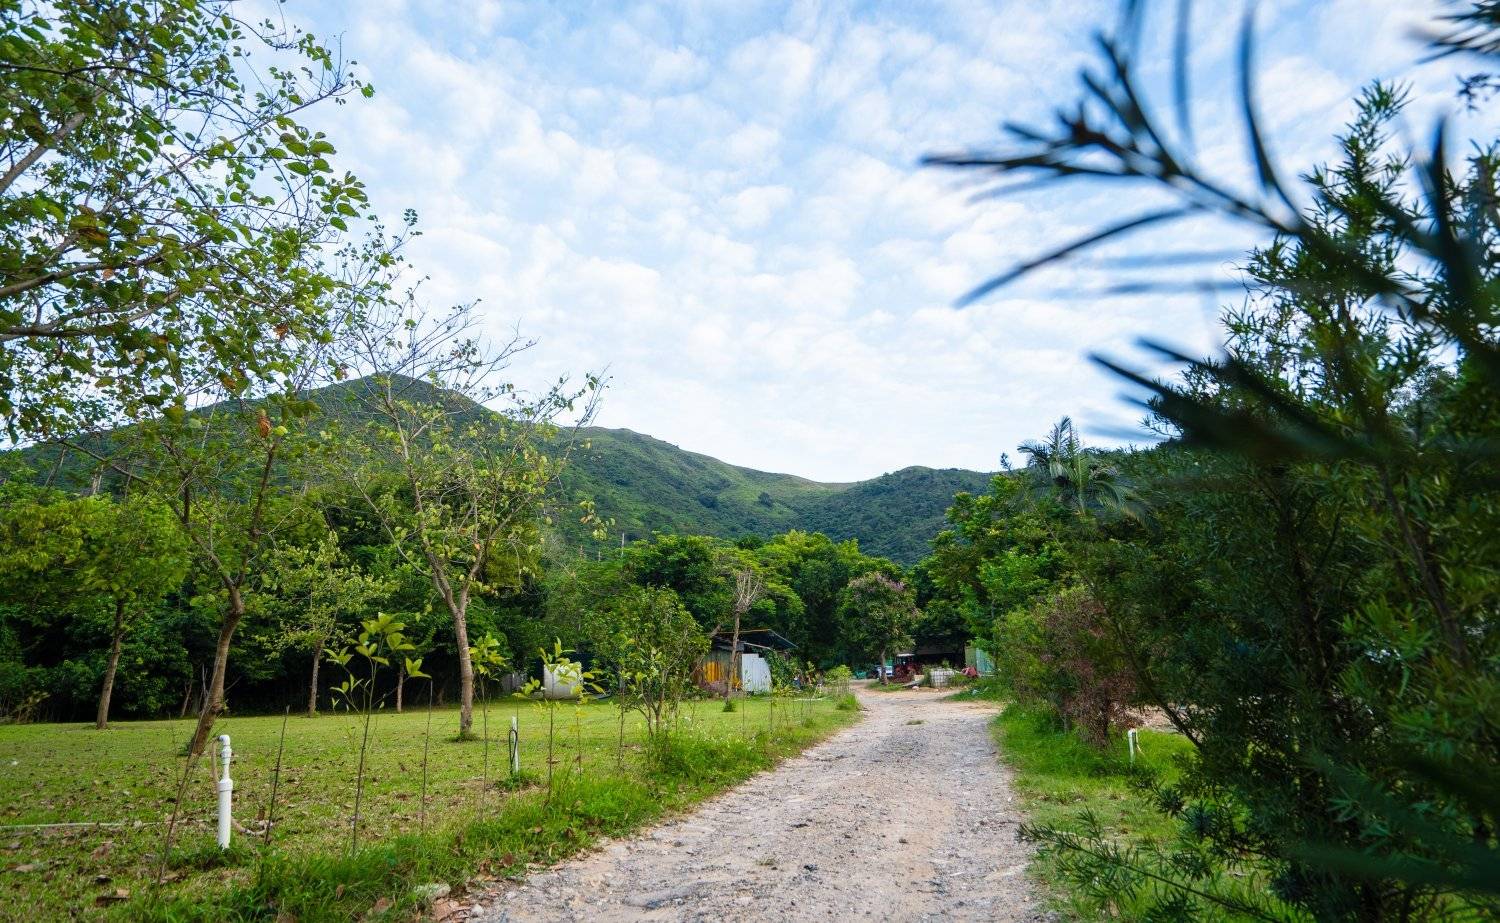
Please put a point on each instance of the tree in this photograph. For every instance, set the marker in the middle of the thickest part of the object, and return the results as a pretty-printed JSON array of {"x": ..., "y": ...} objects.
[
  {"x": 805, "y": 573},
  {"x": 1000, "y": 554},
  {"x": 647, "y": 637},
  {"x": 160, "y": 206},
  {"x": 171, "y": 257},
  {"x": 318, "y": 592},
  {"x": 137, "y": 557},
  {"x": 127, "y": 553},
  {"x": 749, "y": 586},
  {"x": 943, "y": 623},
  {"x": 691, "y": 566},
  {"x": 223, "y": 473},
  {"x": 878, "y": 615},
  {"x": 231, "y": 472},
  {"x": 458, "y": 490},
  {"x": 421, "y": 644},
  {"x": 1074, "y": 475}
]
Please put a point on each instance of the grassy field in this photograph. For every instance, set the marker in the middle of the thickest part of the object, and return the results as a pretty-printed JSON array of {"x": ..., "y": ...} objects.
[
  {"x": 1058, "y": 777},
  {"x": 127, "y": 776}
]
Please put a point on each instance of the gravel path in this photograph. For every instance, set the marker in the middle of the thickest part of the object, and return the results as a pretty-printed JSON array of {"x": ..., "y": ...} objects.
[{"x": 905, "y": 815}]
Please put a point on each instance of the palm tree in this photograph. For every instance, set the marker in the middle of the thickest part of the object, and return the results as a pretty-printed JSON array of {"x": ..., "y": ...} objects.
[
  {"x": 1077, "y": 476},
  {"x": 1055, "y": 453}
]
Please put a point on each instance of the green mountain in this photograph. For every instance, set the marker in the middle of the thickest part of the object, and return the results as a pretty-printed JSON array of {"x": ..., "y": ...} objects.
[{"x": 648, "y": 485}]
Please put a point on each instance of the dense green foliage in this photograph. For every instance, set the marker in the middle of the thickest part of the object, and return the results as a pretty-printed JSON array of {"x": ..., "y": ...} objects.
[
  {"x": 878, "y": 615},
  {"x": 804, "y": 575},
  {"x": 327, "y": 576},
  {"x": 1300, "y": 577},
  {"x": 75, "y": 572},
  {"x": 164, "y": 218},
  {"x": 646, "y": 645}
]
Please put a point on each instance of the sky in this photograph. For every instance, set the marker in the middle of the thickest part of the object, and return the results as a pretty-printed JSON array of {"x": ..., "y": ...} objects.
[{"x": 718, "y": 203}]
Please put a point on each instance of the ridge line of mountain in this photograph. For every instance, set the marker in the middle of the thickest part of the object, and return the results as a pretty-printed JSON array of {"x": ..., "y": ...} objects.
[{"x": 648, "y": 485}]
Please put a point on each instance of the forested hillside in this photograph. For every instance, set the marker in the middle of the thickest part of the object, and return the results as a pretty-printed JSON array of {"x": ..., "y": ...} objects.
[
  {"x": 647, "y": 485},
  {"x": 897, "y": 514}
]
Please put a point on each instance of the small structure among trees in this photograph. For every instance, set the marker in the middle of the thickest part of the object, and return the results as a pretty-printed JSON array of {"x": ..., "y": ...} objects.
[{"x": 744, "y": 666}]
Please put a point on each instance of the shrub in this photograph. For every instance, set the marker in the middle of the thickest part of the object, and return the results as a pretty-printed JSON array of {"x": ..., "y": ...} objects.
[
  {"x": 1058, "y": 652},
  {"x": 783, "y": 670},
  {"x": 1092, "y": 681}
]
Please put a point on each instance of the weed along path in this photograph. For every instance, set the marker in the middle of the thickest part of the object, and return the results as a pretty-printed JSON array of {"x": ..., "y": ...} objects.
[{"x": 905, "y": 815}]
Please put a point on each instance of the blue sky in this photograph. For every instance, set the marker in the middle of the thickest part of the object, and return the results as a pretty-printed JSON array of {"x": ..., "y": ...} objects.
[{"x": 719, "y": 203}]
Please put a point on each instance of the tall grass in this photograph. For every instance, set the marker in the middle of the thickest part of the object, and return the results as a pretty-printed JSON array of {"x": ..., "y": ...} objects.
[{"x": 678, "y": 755}]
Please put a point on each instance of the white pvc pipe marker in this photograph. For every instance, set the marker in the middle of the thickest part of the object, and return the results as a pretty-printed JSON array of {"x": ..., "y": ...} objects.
[
  {"x": 226, "y": 794},
  {"x": 1130, "y": 736}
]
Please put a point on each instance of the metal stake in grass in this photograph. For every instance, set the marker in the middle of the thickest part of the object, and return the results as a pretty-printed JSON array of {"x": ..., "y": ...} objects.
[
  {"x": 166, "y": 849},
  {"x": 515, "y": 746},
  {"x": 620, "y": 747},
  {"x": 265, "y": 843},
  {"x": 551, "y": 737},
  {"x": 578, "y": 731},
  {"x": 484, "y": 776}
]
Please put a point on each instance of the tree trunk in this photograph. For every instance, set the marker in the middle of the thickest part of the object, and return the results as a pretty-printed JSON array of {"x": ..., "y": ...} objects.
[
  {"x": 882, "y": 667},
  {"x": 465, "y": 672},
  {"x": 213, "y": 699},
  {"x": 400, "y": 684},
  {"x": 312, "y": 685},
  {"x": 187, "y": 696},
  {"x": 115, "y": 637},
  {"x": 734, "y": 657}
]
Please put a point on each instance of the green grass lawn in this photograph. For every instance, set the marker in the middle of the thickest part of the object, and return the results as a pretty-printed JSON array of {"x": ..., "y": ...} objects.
[
  {"x": 128, "y": 775},
  {"x": 1058, "y": 777}
]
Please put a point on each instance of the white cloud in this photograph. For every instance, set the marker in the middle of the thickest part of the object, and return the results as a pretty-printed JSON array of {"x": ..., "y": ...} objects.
[
  {"x": 771, "y": 70},
  {"x": 753, "y": 207},
  {"x": 719, "y": 203}
]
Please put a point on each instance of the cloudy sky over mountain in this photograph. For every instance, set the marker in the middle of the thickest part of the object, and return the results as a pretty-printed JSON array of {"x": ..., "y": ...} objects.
[{"x": 720, "y": 203}]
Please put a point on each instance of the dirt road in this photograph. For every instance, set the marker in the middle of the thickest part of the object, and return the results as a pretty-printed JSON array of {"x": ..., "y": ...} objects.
[{"x": 906, "y": 815}]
